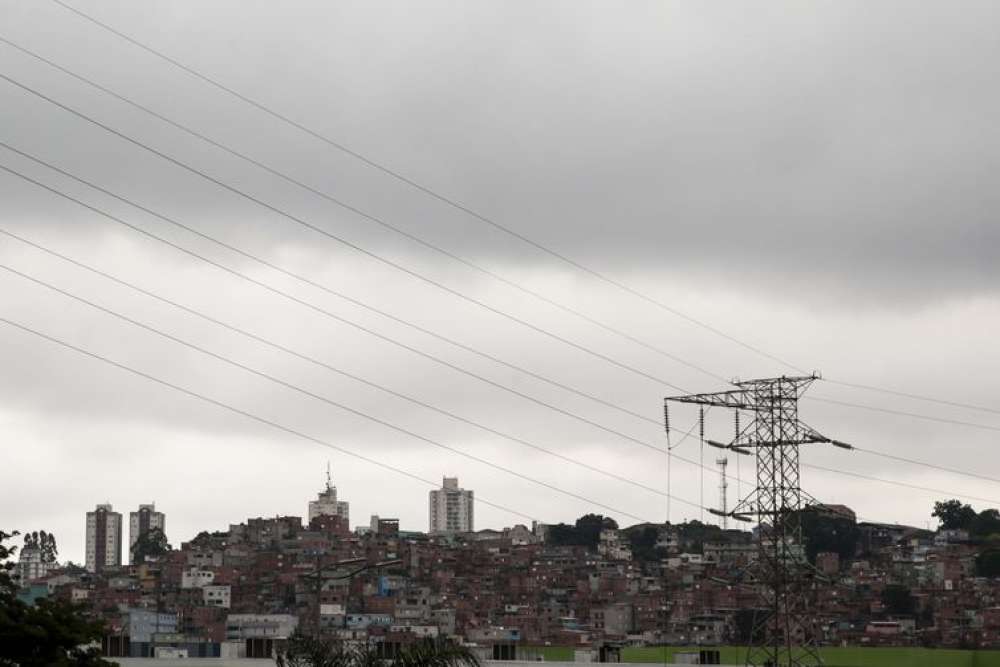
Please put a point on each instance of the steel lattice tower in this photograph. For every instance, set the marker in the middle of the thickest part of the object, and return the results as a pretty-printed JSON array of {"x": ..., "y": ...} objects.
[{"x": 783, "y": 629}]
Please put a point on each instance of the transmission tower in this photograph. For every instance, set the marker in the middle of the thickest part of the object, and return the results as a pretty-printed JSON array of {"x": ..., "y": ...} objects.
[
  {"x": 783, "y": 632},
  {"x": 723, "y": 485}
]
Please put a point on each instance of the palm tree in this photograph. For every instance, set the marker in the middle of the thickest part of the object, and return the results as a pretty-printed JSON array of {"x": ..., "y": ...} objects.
[
  {"x": 436, "y": 654},
  {"x": 305, "y": 651}
]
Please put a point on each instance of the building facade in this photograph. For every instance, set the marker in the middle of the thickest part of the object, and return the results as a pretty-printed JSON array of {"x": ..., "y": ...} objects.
[
  {"x": 451, "y": 508},
  {"x": 326, "y": 504},
  {"x": 142, "y": 521},
  {"x": 31, "y": 565},
  {"x": 104, "y": 538},
  {"x": 384, "y": 527}
]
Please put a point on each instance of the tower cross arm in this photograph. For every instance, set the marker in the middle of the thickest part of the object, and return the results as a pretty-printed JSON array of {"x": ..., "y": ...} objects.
[{"x": 740, "y": 399}]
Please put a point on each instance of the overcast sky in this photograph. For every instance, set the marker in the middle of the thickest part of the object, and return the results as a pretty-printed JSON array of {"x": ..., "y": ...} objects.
[{"x": 817, "y": 180}]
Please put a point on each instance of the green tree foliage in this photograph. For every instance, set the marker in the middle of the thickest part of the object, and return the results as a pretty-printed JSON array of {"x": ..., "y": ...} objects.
[
  {"x": 589, "y": 527},
  {"x": 823, "y": 532},
  {"x": 6, "y": 553},
  {"x": 953, "y": 515},
  {"x": 305, "y": 651},
  {"x": 898, "y": 600},
  {"x": 48, "y": 634},
  {"x": 44, "y": 543},
  {"x": 585, "y": 532},
  {"x": 988, "y": 563},
  {"x": 643, "y": 541},
  {"x": 986, "y": 523},
  {"x": 694, "y": 534},
  {"x": 152, "y": 543},
  {"x": 202, "y": 539}
]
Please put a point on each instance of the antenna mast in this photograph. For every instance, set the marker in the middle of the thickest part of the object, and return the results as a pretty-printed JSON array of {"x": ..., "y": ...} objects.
[{"x": 723, "y": 485}]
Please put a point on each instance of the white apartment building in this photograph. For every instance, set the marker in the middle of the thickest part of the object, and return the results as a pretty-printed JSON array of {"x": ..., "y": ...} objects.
[
  {"x": 142, "y": 521},
  {"x": 30, "y": 565},
  {"x": 451, "y": 508},
  {"x": 326, "y": 503},
  {"x": 104, "y": 538}
]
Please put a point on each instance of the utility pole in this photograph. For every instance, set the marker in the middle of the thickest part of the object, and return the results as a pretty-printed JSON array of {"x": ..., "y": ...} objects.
[
  {"x": 784, "y": 633},
  {"x": 723, "y": 485}
]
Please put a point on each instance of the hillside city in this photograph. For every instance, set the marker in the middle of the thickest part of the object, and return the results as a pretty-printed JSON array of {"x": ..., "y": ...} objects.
[{"x": 514, "y": 592}]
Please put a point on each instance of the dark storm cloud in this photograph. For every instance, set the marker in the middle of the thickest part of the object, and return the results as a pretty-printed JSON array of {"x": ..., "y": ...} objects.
[{"x": 795, "y": 138}]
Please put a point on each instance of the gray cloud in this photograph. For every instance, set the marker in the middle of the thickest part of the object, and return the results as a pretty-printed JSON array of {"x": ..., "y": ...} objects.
[{"x": 815, "y": 180}]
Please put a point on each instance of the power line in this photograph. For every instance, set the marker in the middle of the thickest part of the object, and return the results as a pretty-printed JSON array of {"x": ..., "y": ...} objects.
[
  {"x": 418, "y": 240},
  {"x": 242, "y": 412},
  {"x": 878, "y": 479},
  {"x": 427, "y": 190},
  {"x": 363, "y": 214},
  {"x": 295, "y": 299},
  {"x": 918, "y": 397},
  {"x": 902, "y": 413},
  {"x": 613, "y": 282},
  {"x": 312, "y": 360},
  {"x": 436, "y": 248},
  {"x": 318, "y": 309},
  {"x": 357, "y": 248},
  {"x": 334, "y": 316},
  {"x": 925, "y": 464},
  {"x": 316, "y": 396},
  {"x": 939, "y": 492},
  {"x": 297, "y": 276},
  {"x": 472, "y": 212}
]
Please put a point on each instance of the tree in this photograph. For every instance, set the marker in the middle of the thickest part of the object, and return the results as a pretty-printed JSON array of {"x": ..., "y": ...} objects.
[
  {"x": 988, "y": 563},
  {"x": 898, "y": 600},
  {"x": 150, "y": 542},
  {"x": 643, "y": 542},
  {"x": 986, "y": 523},
  {"x": 202, "y": 539},
  {"x": 694, "y": 535},
  {"x": 50, "y": 633},
  {"x": 589, "y": 527},
  {"x": 5, "y": 553},
  {"x": 43, "y": 542},
  {"x": 586, "y": 532},
  {"x": 823, "y": 532},
  {"x": 953, "y": 515},
  {"x": 305, "y": 651}
]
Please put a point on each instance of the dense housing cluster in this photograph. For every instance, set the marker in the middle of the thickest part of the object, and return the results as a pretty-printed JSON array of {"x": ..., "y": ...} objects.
[{"x": 241, "y": 591}]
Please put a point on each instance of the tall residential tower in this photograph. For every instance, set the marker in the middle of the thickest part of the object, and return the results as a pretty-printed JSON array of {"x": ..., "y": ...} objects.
[
  {"x": 146, "y": 519},
  {"x": 104, "y": 538},
  {"x": 451, "y": 508}
]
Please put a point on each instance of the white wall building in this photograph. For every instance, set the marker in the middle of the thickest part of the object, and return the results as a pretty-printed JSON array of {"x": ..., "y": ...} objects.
[
  {"x": 326, "y": 503},
  {"x": 30, "y": 565},
  {"x": 451, "y": 508},
  {"x": 104, "y": 538},
  {"x": 217, "y": 596},
  {"x": 139, "y": 522},
  {"x": 196, "y": 578},
  {"x": 260, "y": 626}
]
